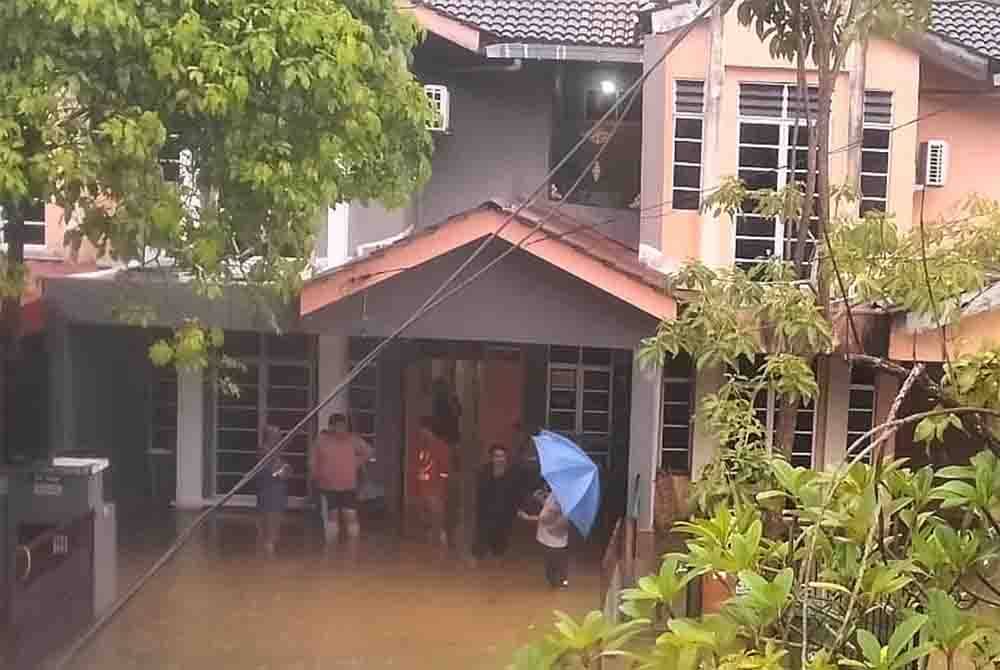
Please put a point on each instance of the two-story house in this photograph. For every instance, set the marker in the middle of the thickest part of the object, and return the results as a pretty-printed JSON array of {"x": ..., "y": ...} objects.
[{"x": 547, "y": 337}]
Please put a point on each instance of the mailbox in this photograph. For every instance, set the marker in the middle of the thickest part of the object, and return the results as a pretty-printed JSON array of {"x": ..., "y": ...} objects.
[{"x": 59, "y": 557}]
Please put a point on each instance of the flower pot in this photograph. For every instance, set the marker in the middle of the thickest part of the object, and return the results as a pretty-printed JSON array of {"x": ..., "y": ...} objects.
[{"x": 716, "y": 588}]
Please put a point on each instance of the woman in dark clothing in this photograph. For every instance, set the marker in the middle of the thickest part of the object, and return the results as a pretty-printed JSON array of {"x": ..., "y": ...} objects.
[
  {"x": 497, "y": 503},
  {"x": 272, "y": 491}
]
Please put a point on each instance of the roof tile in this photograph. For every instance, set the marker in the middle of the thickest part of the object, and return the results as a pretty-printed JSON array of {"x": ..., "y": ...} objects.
[
  {"x": 610, "y": 23},
  {"x": 975, "y": 24}
]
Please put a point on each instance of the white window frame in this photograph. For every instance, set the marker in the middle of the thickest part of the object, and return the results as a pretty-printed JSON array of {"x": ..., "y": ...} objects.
[
  {"x": 687, "y": 382},
  {"x": 581, "y": 369},
  {"x": 785, "y": 124},
  {"x": 873, "y": 412},
  {"x": 678, "y": 115},
  {"x": 28, "y": 247},
  {"x": 771, "y": 426},
  {"x": 866, "y": 125},
  {"x": 262, "y": 362}
]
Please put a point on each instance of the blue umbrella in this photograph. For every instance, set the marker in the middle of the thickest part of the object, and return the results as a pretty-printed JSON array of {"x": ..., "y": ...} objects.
[{"x": 573, "y": 477}]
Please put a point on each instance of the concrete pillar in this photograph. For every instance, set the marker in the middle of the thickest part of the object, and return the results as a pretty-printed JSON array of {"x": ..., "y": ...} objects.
[
  {"x": 711, "y": 251},
  {"x": 838, "y": 396},
  {"x": 191, "y": 444},
  {"x": 334, "y": 365},
  {"x": 886, "y": 388},
  {"x": 645, "y": 435},
  {"x": 704, "y": 444}
]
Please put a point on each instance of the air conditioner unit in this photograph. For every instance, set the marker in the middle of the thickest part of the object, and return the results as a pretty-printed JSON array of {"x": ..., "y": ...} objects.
[
  {"x": 441, "y": 102},
  {"x": 932, "y": 170}
]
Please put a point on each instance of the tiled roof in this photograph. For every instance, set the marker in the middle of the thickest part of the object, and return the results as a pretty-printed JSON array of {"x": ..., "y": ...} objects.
[
  {"x": 975, "y": 24},
  {"x": 609, "y": 23}
]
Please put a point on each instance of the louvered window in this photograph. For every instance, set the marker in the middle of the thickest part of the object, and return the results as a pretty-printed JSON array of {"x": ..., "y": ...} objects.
[
  {"x": 689, "y": 106},
  {"x": 773, "y": 150},
  {"x": 875, "y": 145}
]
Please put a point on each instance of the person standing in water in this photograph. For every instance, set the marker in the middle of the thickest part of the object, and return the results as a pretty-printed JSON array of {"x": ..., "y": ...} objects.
[
  {"x": 334, "y": 461},
  {"x": 553, "y": 535},
  {"x": 496, "y": 504},
  {"x": 432, "y": 469},
  {"x": 272, "y": 491}
]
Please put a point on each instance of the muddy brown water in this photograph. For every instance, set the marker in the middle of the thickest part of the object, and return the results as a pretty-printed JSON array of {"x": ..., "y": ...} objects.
[{"x": 220, "y": 604}]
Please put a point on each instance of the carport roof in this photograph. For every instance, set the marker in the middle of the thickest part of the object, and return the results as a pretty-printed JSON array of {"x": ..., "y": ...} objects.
[{"x": 569, "y": 245}]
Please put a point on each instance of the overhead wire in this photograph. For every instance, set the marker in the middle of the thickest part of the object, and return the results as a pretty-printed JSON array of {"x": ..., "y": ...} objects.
[{"x": 442, "y": 293}]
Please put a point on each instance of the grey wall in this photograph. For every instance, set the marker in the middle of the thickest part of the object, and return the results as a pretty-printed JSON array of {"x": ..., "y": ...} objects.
[
  {"x": 498, "y": 147},
  {"x": 521, "y": 300}
]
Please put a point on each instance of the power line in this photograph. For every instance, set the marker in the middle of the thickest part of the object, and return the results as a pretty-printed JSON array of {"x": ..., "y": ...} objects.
[{"x": 440, "y": 294}]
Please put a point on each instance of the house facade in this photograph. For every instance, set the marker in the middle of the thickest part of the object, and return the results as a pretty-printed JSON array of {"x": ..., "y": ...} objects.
[{"x": 549, "y": 337}]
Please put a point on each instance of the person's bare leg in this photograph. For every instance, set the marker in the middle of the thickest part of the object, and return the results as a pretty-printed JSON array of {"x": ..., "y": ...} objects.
[
  {"x": 353, "y": 526},
  {"x": 272, "y": 530},
  {"x": 332, "y": 532}
]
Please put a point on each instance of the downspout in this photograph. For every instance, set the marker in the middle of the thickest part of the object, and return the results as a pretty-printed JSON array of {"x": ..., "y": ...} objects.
[{"x": 515, "y": 65}]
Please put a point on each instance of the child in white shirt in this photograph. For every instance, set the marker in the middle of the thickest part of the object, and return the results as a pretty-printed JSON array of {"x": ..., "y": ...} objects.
[{"x": 553, "y": 535}]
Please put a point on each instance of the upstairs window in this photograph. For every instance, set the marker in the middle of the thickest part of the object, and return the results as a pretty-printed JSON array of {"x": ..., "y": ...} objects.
[
  {"x": 773, "y": 151},
  {"x": 689, "y": 113},
  {"x": 584, "y": 93},
  {"x": 875, "y": 144},
  {"x": 34, "y": 224}
]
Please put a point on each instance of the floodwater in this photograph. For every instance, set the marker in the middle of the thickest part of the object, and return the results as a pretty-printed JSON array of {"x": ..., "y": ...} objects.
[{"x": 220, "y": 604}]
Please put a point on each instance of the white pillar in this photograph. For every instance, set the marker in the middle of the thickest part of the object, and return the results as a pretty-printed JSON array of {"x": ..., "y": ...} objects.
[
  {"x": 191, "y": 443},
  {"x": 334, "y": 364},
  {"x": 704, "y": 444},
  {"x": 711, "y": 251},
  {"x": 645, "y": 435},
  {"x": 838, "y": 396}
]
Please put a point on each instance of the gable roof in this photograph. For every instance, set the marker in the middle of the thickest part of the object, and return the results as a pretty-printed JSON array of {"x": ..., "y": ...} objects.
[
  {"x": 606, "y": 23},
  {"x": 974, "y": 24},
  {"x": 571, "y": 246}
]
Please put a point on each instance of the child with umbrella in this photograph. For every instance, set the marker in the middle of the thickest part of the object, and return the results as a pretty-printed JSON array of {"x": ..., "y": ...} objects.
[{"x": 572, "y": 494}]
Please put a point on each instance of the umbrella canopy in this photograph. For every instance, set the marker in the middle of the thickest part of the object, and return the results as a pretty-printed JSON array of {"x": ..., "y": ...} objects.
[{"x": 573, "y": 477}]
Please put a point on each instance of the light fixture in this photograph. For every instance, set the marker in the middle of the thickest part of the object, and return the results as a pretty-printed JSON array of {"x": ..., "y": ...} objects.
[{"x": 608, "y": 87}]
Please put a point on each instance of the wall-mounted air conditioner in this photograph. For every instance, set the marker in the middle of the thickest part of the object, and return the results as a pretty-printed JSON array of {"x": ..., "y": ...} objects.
[
  {"x": 932, "y": 166},
  {"x": 441, "y": 102}
]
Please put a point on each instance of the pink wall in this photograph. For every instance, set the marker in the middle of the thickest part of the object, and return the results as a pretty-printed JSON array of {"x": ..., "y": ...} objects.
[
  {"x": 890, "y": 67},
  {"x": 970, "y": 123},
  {"x": 679, "y": 232}
]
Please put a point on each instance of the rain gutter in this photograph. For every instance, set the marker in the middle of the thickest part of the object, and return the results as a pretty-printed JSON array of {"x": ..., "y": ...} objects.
[{"x": 563, "y": 52}]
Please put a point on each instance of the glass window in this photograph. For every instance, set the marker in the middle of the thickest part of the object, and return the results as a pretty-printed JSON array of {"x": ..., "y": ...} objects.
[
  {"x": 688, "y": 127},
  {"x": 678, "y": 389},
  {"x": 875, "y": 151}
]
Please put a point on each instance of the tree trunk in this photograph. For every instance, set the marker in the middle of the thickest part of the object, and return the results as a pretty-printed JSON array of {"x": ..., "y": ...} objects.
[{"x": 784, "y": 436}]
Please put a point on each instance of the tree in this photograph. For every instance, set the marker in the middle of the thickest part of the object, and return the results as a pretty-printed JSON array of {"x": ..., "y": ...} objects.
[
  {"x": 874, "y": 565},
  {"x": 278, "y": 108}
]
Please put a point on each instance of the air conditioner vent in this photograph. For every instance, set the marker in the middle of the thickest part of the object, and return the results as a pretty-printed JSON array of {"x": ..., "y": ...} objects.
[
  {"x": 441, "y": 102},
  {"x": 933, "y": 167}
]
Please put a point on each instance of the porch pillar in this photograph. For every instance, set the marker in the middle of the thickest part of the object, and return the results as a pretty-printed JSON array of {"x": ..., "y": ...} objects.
[
  {"x": 334, "y": 364},
  {"x": 703, "y": 444},
  {"x": 645, "y": 434},
  {"x": 190, "y": 438},
  {"x": 838, "y": 396},
  {"x": 886, "y": 388}
]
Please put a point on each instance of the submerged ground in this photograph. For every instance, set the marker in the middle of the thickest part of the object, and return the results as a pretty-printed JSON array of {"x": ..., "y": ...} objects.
[{"x": 221, "y": 605}]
